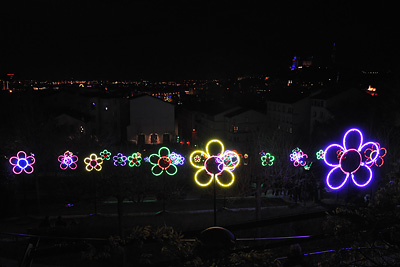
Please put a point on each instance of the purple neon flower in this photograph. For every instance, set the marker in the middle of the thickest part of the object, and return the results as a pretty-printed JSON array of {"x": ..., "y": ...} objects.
[
  {"x": 120, "y": 159},
  {"x": 352, "y": 162}
]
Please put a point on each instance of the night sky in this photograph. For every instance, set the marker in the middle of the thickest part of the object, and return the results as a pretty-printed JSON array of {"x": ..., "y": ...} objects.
[{"x": 149, "y": 39}]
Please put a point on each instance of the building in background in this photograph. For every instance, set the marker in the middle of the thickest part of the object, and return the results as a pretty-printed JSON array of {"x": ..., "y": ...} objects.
[
  {"x": 152, "y": 121},
  {"x": 289, "y": 113}
]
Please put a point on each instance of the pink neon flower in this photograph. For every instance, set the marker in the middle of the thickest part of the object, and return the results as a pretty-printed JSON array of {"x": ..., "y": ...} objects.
[
  {"x": 350, "y": 162},
  {"x": 22, "y": 162},
  {"x": 68, "y": 160}
]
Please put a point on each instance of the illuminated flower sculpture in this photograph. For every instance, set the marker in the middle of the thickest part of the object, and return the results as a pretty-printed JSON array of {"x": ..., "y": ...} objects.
[
  {"x": 320, "y": 154},
  {"x": 120, "y": 159},
  {"x": 298, "y": 157},
  {"x": 162, "y": 162},
  {"x": 105, "y": 154},
  {"x": 135, "y": 159},
  {"x": 68, "y": 160},
  {"x": 352, "y": 161},
  {"x": 267, "y": 159},
  {"x": 22, "y": 162},
  {"x": 219, "y": 165},
  {"x": 177, "y": 159},
  {"x": 93, "y": 162},
  {"x": 370, "y": 153}
]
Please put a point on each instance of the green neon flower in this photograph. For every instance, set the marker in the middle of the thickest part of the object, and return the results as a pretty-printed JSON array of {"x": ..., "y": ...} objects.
[
  {"x": 135, "y": 159},
  {"x": 161, "y": 162},
  {"x": 267, "y": 159},
  {"x": 105, "y": 154}
]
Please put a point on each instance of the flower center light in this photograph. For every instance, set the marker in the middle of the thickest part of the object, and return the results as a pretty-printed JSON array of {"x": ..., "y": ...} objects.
[
  {"x": 22, "y": 163},
  {"x": 67, "y": 161},
  {"x": 93, "y": 163},
  {"x": 214, "y": 165},
  {"x": 350, "y": 161},
  {"x": 164, "y": 162}
]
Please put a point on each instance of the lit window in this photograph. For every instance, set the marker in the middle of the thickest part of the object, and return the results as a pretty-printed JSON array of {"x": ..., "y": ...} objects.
[
  {"x": 154, "y": 138},
  {"x": 235, "y": 129}
]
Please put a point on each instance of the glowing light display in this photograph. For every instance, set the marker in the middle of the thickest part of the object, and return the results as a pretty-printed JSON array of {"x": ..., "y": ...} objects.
[
  {"x": 135, "y": 160},
  {"x": 22, "y": 162},
  {"x": 370, "y": 153},
  {"x": 353, "y": 160},
  {"x": 105, "y": 154},
  {"x": 267, "y": 159},
  {"x": 307, "y": 167},
  {"x": 298, "y": 157},
  {"x": 245, "y": 159},
  {"x": 320, "y": 154},
  {"x": 231, "y": 159},
  {"x": 93, "y": 162},
  {"x": 68, "y": 160},
  {"x": 162, "y": 162},
  {"x": 177, "y": 159},
  {"x": 120, "y": 159},
  {"x": 217, "y": 166}
]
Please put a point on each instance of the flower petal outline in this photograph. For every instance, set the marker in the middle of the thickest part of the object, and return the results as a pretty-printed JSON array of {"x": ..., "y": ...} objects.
[
  {"x": 336, "y": 169},
  {"x": 354, "y": 175},
  {"x": 198, "y": 182},
  {"x": 228, "y": 184},
  {"x": 326, "y": 155}
]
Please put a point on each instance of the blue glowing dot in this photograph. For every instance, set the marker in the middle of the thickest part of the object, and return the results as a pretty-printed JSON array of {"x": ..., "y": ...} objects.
[{"x": 22, "y": 163}]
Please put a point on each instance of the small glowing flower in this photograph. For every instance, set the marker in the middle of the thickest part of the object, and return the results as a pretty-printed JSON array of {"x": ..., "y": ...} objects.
[
  {"x": 135, "y": 159},
  {"x": 218, "y": 166},
  {"x": 320, "y": 154},
  {"x": 68, "y": 160},
  {"x": 352, "y": 161},
  {"x": 22, "y": 162},
  {"x": 93, "y": 162},
  {"x": 105, "y": 154},
  {"x": 267, "y": 159},
  {"x": 197, "y": 158},
  {"x": 162, "y": 162},
  {"x": 120, "y": 159},
  {"x": 369, "y": 154},
  {"x": 177, "y": 159},
  {"x": 298, "y": 157}
]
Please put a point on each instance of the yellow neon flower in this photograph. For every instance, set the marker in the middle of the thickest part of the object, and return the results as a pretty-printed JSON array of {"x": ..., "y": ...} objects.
[
  {"x": 93, "y": 162},
  {"x": 218, "y": 166}
]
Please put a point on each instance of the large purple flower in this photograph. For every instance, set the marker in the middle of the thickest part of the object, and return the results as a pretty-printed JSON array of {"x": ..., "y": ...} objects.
[{"x": 350, "y": 162}]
